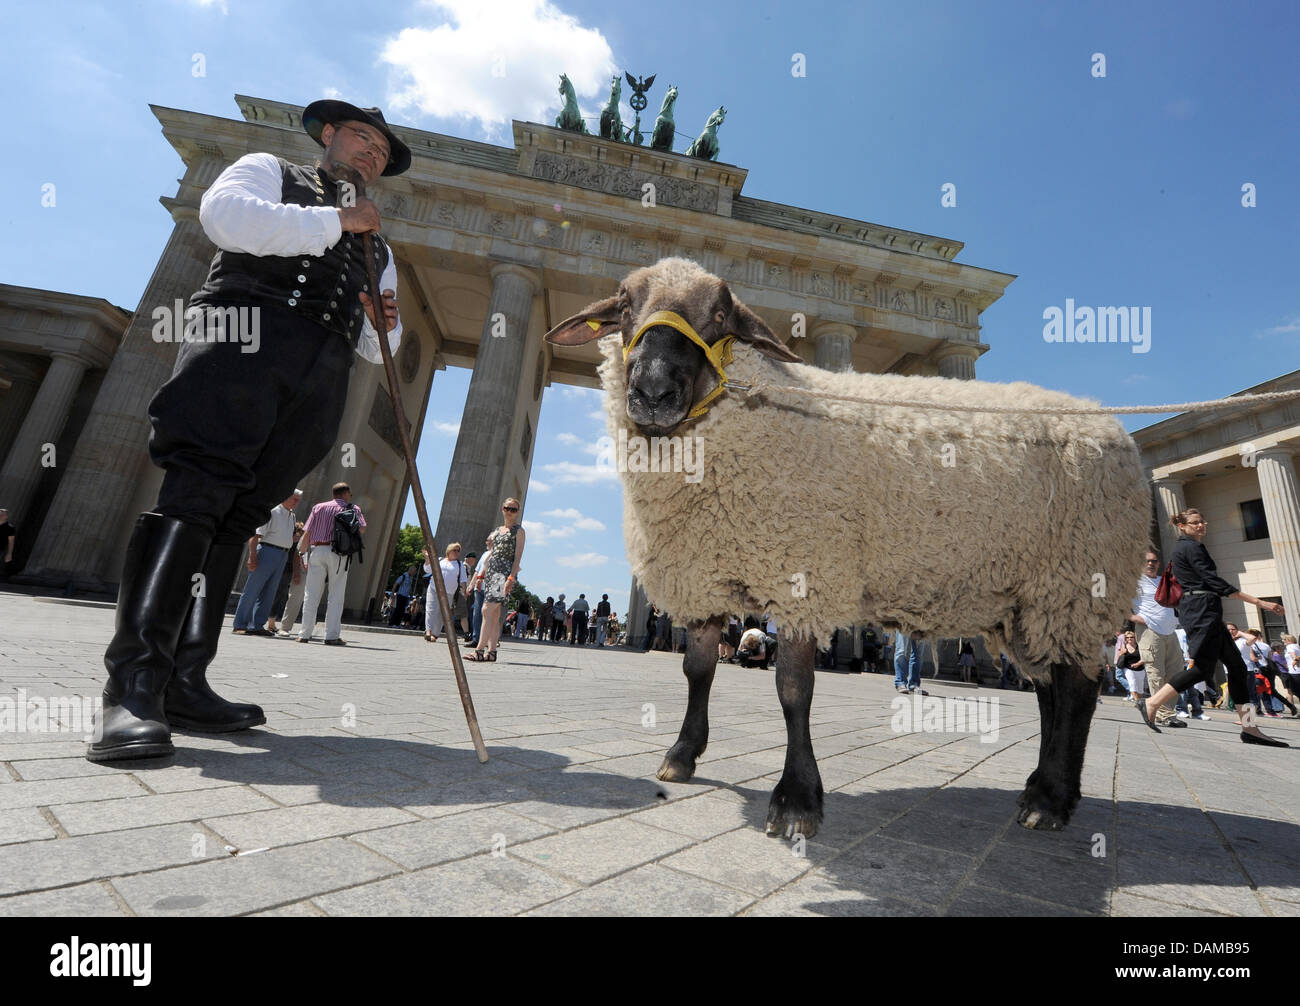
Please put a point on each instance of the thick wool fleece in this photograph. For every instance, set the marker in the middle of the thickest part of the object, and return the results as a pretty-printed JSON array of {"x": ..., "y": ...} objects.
[{"x": 1028, "y": 530}]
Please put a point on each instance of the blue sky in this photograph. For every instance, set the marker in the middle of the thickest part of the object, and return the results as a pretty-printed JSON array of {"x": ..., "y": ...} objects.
[{"x": 1123, "y": 190}]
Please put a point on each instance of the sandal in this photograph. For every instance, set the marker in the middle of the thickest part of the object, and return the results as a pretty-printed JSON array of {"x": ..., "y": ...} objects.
[
  {"x": 429, "y": 637},
  {"x": 1142, "y": 708},
  {"x": 492, "y": 656},
  {"x": 477, "y": 657}
]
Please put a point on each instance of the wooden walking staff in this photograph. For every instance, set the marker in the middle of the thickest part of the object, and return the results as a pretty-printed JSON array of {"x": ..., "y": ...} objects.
[{"x": 381, "y": 326}]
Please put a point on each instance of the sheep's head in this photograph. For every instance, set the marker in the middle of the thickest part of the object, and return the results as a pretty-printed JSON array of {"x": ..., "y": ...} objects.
[{"x": 667, "y": 373}]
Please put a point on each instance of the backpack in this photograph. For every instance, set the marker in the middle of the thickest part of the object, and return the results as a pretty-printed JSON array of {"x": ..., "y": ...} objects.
[{"x": 347, "y": 534}]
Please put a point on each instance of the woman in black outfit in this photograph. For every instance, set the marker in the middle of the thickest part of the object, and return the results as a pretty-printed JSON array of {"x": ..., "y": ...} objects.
[{"x": 1200, "y": 613}]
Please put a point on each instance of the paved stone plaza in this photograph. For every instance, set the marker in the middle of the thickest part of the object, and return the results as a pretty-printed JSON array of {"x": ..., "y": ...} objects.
[{"x": 362, "y": 796}]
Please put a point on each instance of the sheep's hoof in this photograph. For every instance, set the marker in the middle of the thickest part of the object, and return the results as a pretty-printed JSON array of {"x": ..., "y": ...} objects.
[
  {"x": 792, "y": 813},
  {"x": 1039, "y": 811},
  {"x": 678, "y": 765},
  {"x": 1041, "y": 820}
]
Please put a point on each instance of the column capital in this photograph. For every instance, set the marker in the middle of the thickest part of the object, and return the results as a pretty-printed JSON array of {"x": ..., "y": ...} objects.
[
  {"x": 531, "y": 276},
  {"x": 956, "y": 349},
  {"x": 1168, "y": 482},
  {"x": 957, "y": 360},
  {"x": 1278, "y": 452},
  {"x": 822, "y": 329},
  {"x": 183, "y": 212},
  {"x": 74, "y": 358}
]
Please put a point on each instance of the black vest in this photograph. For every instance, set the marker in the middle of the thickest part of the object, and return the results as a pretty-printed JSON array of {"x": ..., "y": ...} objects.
[{"x": 321, "y": 288}]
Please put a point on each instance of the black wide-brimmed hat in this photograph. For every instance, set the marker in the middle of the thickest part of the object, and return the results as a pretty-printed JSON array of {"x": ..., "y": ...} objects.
[{"x": 328, "y": 111}]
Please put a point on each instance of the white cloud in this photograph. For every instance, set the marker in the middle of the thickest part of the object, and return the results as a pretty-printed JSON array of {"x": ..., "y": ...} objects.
[
  {"x": 219, "y": 4},
  {"x": 567, "y": 514},
  {"x": 587, "y": 446},
  {"x": 1291, "y": 326},
  {"x": 574, "y": 391},
  {"x": 588, "y": 524},
  {"x": 584, "y": 559},
  {"x": 568, "y": 473},
  {"x": 597, "y": 414},
  {"x": 537, "y": 486},
  {"x": 538, "y": 533},
  {"x": 489, "y": 63},
  {"x": 331, "y": 92},
  {"x": 563, "y": 532},
  {"x": 451, "y": 429}
]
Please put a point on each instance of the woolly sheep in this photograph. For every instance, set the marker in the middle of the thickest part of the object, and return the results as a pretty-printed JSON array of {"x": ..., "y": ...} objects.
[{"x": 1025, "y": 529}]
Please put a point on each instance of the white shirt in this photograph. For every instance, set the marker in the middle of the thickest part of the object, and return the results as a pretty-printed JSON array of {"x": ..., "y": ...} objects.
[
  {"x": 242, "y": 212},
  {"x": 278, "y": 530},
  {"x": 1160, "y": 620},
  {"x": 453, "y": 573},
  {"x": 1243, "y": 647},
  {"x": 1292, "y": 653},
  {"x": 752, "y": 636}
]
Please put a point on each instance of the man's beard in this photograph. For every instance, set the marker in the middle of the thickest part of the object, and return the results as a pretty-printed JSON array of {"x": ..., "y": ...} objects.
[{"x": 338, "y": 171}]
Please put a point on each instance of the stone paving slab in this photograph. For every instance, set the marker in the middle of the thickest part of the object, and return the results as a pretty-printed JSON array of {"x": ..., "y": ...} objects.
[{"x": 362, "y": 795}]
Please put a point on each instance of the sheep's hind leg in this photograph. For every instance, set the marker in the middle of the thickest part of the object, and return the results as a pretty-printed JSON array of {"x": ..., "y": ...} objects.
[
  {"x": 698, "y": 665},
  {"x": 1053, "y": 790},
  {"x": 796, "y": 805}
]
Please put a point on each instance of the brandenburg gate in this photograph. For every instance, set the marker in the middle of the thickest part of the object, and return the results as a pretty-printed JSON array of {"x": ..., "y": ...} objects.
[{"x": 495, "y": 244}]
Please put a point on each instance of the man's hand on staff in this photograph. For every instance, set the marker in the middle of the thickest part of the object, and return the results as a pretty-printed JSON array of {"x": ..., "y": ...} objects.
[
  {"x": 390, "y": 308},
  {"x": 360, "y": 219}
]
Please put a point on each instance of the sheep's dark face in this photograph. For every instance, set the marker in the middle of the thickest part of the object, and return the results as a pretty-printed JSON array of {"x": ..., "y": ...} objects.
[{"x": 667, "y": 373}]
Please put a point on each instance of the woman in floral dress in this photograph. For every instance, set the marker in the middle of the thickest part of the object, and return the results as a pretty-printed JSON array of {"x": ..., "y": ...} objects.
[{"x": 496, "y": 576}]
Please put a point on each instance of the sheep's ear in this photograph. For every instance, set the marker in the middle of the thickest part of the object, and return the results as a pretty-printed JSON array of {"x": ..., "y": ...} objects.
[
  {"x": 592, "y": 322},
  {"x": 752, "y": 329}
]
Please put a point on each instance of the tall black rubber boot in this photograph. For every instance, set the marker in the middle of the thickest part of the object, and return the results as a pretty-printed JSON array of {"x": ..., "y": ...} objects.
[
  {"x": 157, "y": 576},
  {"x": 191, "y": 704}
]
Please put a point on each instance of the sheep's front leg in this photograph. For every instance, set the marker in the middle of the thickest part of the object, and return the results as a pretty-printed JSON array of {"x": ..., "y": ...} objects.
[
  {"x": 1046, "y": 696},
  {"x": 1053, "y": 790},
  {"x": 698, "y": 665},
  {"x": 796, "y": 805}
]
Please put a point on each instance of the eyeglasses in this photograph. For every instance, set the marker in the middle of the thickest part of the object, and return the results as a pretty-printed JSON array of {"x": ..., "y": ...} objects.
[
  {"x": 510, "y": 509},
  {"x": 371, "y": 142}
]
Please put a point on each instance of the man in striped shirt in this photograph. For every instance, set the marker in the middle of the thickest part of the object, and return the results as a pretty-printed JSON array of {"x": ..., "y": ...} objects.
[{"x": 323, "y": 564}]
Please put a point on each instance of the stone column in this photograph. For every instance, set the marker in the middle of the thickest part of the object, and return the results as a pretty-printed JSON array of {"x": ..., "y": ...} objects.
[
  {"x": 957, "y": 361},
  {"x": 1169, "y": 501},
  {"x": 1275, "y": 468},
  {"x": 638, "y": 607},
  {"x": 472, "y": 501},
  {"x": 112, "y": 451},
  {"x": 22, "y": 470},
  {"x": 832, "y": 350},
  {"x": 833, "y": 345}
]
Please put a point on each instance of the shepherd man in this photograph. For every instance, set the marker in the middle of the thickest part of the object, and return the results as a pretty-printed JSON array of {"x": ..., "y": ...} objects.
[{"x": 235, "y": 430}]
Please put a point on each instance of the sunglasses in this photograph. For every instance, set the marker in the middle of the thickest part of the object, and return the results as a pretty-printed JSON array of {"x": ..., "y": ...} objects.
[{"x": 510, "y": 509}]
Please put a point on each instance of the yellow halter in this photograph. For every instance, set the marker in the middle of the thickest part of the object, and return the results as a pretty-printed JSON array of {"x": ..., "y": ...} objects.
[{"x": 718, "y": 355}]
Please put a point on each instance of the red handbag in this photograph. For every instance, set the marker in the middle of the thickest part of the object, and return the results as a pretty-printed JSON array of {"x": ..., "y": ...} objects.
[{"x": 1169, "y": 591}]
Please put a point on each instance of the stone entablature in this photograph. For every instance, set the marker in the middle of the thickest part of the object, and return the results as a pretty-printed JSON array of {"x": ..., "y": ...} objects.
[
  {"x": 454, "y": 213},
  {"x": 1192, "y": 440},
  {"x": 47, "y": 322}
]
